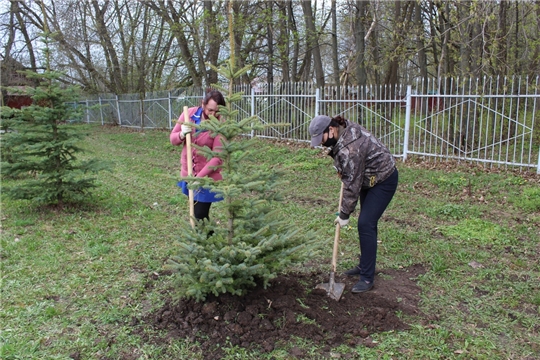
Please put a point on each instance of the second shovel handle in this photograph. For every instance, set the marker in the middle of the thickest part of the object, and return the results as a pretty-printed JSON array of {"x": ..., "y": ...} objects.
[{"x": 190, "y": 170}]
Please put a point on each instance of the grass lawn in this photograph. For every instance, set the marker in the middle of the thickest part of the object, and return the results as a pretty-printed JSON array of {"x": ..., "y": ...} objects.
[{"x": 74, "y": 280}]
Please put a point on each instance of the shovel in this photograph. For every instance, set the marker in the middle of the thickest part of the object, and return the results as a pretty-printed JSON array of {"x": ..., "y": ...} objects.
[
  {"x": 190, "y": 171},
  {"x": 333, "y": 289}
]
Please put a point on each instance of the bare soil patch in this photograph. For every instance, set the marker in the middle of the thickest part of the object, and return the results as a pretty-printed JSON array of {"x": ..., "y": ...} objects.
[{"x": 292, "y": 307}]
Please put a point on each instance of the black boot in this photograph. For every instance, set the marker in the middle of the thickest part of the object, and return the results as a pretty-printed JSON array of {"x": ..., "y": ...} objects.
[
  {"x": 361, "y": 286},
  {"x": 355, "y": 270}
]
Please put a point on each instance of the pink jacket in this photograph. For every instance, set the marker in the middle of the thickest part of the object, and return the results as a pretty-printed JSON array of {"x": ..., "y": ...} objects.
[{"x": 201, "y": 166}]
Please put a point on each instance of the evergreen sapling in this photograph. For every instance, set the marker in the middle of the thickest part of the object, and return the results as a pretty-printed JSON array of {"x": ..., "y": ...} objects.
[
  {"x": 42, "y": 148},
  {"x": 255, "y": 243}
]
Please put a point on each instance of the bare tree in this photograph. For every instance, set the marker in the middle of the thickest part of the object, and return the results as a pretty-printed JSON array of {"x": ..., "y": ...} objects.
[
  {"x": 270, "y": 37},
  {"x": 420, "y": 44},
  {"x": 139, "y": 46},
  {"x": 284, "y": 26},
  {"x": 402, "y": 17},
  {"x": 335, "y": 59},
  {"x": 360, "y": 41},
  {"x": 293, "y": 26},
  {"x": 23, "y": 28},
  {"x": 535, "y": 68},
  {"x": 312, "y": 36},
  {"x": 175, "y": 19},
  {"x": 500, "y": 63}
]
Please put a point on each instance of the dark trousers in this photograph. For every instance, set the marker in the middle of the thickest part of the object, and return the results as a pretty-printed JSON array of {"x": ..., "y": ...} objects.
[
  {"x": 202, "y": 210},
  {"x": 373, "y": 202}
]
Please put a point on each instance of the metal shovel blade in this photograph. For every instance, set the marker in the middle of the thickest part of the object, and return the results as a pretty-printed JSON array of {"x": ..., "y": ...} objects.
[{"x": 332, "y": 288}]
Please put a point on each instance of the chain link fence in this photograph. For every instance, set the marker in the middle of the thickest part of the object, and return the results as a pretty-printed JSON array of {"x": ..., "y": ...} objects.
[{"x": 491, "y": 120}]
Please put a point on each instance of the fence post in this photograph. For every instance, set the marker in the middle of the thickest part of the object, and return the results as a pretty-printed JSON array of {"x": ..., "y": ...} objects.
[
  {"x": 252, "y": 110},
  {"x": 118, "y": 111},
  {"x": 170, "y": 111},
  {"x": 317, "y": 94},
  {"x": 87, "y": 112},
  {"x": 101, "y": 110},
  {"x": 538, "y": 168},
  {"x": 407, "y": 122},
  {"x": 537, "y": 124}
]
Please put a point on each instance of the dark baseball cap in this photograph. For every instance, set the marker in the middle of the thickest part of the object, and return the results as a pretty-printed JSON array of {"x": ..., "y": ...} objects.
[{"x": 316, "y": 128}]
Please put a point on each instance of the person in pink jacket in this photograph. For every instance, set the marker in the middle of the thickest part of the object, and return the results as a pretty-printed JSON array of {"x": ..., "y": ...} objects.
[{"x": 201, "y": 166}]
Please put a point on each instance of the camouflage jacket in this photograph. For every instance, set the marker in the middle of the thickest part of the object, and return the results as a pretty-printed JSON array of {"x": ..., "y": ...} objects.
[{"x": 363, "y": 162}]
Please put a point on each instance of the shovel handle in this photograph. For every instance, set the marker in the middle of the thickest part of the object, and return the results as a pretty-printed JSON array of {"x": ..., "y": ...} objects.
[
  {"x": 336, "y": 236},
  {"x": 190, "y": 170}
]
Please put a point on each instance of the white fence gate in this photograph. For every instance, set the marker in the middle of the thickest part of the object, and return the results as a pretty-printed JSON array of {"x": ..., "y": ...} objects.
[{"x": 494, "y": 121}]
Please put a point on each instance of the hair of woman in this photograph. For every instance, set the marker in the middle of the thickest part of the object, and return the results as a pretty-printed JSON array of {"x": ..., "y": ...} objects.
[
  {"x": 338, "y": 121},
  {"x": 216, "y": 96}
]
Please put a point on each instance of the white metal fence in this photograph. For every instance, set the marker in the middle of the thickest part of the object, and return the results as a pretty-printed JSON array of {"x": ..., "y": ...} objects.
[{"x": 494, "y": 121}]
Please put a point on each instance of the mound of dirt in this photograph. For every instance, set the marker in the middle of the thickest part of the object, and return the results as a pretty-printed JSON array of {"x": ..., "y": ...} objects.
[{"x": 292, "y": 307}]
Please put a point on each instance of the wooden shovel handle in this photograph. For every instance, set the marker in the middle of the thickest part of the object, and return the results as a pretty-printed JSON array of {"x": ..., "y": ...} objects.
[
  {"x": 336, "y": 236},
  {"x": 190, "y": 170}
]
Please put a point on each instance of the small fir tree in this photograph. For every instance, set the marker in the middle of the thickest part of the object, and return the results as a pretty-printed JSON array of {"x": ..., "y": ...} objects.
[
  {"x": 41, "y": 149},
  {"x": 255, "y": 243}
]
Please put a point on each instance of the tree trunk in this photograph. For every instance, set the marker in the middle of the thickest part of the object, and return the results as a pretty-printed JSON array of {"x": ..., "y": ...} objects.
[
  {"x": 534, "y": 69},
  {"x": 26, "y": 36},
  {"x": 295, "y": 72},
  {"x": 111, "y": 56},
  {"x": 270, "y": 41},
  {"x": 312, "y": 36},
  {"x": 359, "y": 38},
  {"x": 178, "y": 29},
  {"x": 420, "y": 46},
  {"x": 501, "y": 56},
  {"x": 283, "y": 40},
  {"x": 335, "y": 60},
  {"x": 444, "y": 61},
  {"x": 393, "y": 63},
  {"x": 433, "y": 35},
  {"x": 7, "y": 69},
  {"x": 464, "y": 41},
  {"x": 212, "y": 36},
  {"x": 477, "y": 53}
]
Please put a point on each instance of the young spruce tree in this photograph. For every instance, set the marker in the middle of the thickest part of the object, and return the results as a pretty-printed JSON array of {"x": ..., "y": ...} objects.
[
  {"x": 255, "y": 243},
  {"x": 41, "y": 148}
]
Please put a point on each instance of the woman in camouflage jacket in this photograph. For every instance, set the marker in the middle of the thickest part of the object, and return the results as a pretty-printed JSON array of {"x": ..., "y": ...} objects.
[{"x": 368, "y": 172}]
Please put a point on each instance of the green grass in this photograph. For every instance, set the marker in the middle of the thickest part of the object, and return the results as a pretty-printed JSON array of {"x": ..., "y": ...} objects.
[{"x": 73, "y": 279}]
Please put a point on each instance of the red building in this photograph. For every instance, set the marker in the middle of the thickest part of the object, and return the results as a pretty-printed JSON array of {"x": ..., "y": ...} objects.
[{"x": 11, "y": 77}]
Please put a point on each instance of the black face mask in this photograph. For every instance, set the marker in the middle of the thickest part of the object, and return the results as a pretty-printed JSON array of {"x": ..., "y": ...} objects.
[{"x": 329, "y": 142}]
